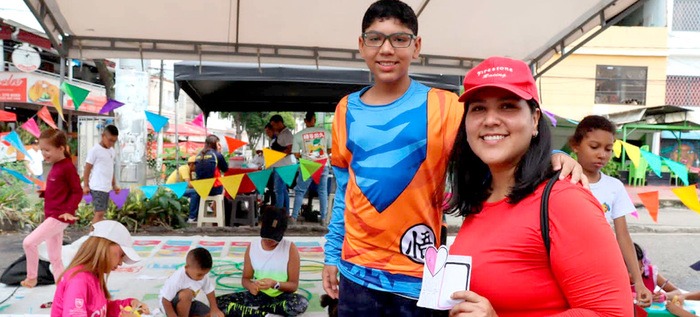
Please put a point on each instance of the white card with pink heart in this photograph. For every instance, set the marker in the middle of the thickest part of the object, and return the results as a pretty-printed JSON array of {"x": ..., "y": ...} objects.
[{"x": 443, "y": 274}]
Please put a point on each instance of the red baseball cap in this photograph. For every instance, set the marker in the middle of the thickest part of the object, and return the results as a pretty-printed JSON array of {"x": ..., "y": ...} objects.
[{"x": 502, "y": 72}]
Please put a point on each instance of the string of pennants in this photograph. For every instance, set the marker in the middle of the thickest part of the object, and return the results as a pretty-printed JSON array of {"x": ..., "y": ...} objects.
[
  {"x": 308, "y": 168},
  {"x": 78, "y": 95},
  {"x": 231, "y": 183},
  {"x": 687, "y": 194}
]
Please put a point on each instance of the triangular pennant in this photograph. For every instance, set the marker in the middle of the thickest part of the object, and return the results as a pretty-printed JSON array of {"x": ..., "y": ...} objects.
[
  {"x": 156, "y": 120},
  {"x": 632, "y": 152},
  {"x": 56, "y": 104},
  {"x": 45, "y": 115},
  {"x": 677, "y": 168},
  {"x": 617, "y": 148},
  {"x": 634, "y": 214},
  {"x": 17, "y": 175},
  {"x": 260, "y": 179},
  {"x": 651, "y": 202},
  {"x": 199, "y": 120},
  {"x": 233, "y": 144},
  {"x": 13, "y": 139},
  {"x": 231, "y": 184},
  {"x": 31, "y": 127},
  {"x": 76, "y": 93},
  {"x": 287, "y": 173},
  {"x": 308, "y": 168},
  {"x": 110, "y": 105},
  {"x": 39, "y": 183},
  {"x": 688, "y": 196},
  {"x": 653, "y": 160},
  {"x": 203, "y": 186},
  {"x": 551, "y": 117},
  {"x": 317, "y": 175},
  {"x": 149, "y": 191},
  {"x": 177, "y": 188},
  {"x": 272, "y": 157},
  {"x": 119, "y": 199}
]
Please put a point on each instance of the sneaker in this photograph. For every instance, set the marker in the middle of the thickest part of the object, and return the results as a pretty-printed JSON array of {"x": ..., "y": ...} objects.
[
  {"x": 209, "y": 209},
  {"x": 191, "y": 220}
]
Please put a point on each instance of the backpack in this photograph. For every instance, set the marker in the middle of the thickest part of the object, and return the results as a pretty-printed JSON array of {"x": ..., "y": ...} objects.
[
  {"x": 17, "y": 272},
  {"x": 206, "y": 165},
  {"x": 544, "y": 211}
]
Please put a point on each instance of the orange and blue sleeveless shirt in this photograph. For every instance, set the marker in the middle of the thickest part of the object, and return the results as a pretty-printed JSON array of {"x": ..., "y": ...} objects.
[{"x": 389, "y": 161}]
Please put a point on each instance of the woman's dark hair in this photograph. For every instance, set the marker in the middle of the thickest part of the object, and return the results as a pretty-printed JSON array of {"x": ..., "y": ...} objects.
[
  {"x": 590, "y": 124},
  {"x": 391, "y": 9},
  {"x": 470, "y": 179}
]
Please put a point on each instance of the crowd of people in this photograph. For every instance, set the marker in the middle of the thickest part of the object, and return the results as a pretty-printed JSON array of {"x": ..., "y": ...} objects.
[{"x": 397, "y": 147}]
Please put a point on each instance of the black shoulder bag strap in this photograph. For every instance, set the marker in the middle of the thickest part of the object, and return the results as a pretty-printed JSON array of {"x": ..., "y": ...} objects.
[{"x": 544, "y": 211}]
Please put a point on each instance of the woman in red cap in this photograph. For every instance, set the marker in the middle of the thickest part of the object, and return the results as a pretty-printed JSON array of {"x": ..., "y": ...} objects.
[{"x": 499, "y": 166}]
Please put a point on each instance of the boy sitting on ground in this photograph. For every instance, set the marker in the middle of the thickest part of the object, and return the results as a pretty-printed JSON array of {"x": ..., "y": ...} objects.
[{"x": 177, "y": 297}]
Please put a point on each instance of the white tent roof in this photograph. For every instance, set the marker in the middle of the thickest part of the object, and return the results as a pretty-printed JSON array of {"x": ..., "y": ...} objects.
[{"x": 456, "y": 33}]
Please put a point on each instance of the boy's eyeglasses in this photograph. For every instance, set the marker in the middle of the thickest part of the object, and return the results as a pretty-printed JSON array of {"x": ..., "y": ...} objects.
[{"x": 397, "y": 40}]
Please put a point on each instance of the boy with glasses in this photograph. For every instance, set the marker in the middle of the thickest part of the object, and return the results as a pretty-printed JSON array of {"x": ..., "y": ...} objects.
[{"x": 391, "y": 143}]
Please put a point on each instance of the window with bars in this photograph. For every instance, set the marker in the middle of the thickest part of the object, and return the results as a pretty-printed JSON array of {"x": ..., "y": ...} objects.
[
  {"x": 685, "y": 15},
  {"x": 620, "y": 85},
  {"x": 683, "y": 90}
]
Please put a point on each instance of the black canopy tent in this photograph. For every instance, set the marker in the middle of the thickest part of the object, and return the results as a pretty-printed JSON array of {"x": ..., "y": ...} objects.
[{"x": 249, "y": 87}]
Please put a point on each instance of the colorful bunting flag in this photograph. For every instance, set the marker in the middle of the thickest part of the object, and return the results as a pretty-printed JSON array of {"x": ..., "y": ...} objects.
[
  {"x": 233, "y": 144},
  {"x": 634, "y": 214},
  {"x": 110, "y": 105},
  {"x": 31, "y": 127},
  {"x": 13, "y": 139},
  {"x": 232, "y": 183},
  {"x": 617, "y": 148},
  {"x": 632, "y": 152},
  {"x": 260, "y": 179},
  {"x": 156, "y": 120},
  {"x": 203, "y": 186},
  {"x": 119, "y": 199},
  {"x": 651, "y": 202},
  {"x": 76, "y": 93},
  {"x": 199, "y": 120},
  {"x": 677, "y": 168},
  {"x": 287, "y": 173},
  {"x": 45, "y": 115},
  {"x": 177, "y": 188},
  {"x": 17, "y": 175},
  {"x": 551, "y": 117},
  {"x": 308, "y": 168},
  {"x": 56, "y": 104},
  {"x": 272, "y": 157},
  {"x": 653, "y": 160},
  {"x": 317, "y": 175},
  {"x": 688, "y": 196},
  {"x": 149, "y": 191},
  {"x": 39, "y": 183}
]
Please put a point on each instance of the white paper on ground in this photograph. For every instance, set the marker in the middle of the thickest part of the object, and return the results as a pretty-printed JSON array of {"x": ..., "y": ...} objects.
[{"x": 443, "y": 274}]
